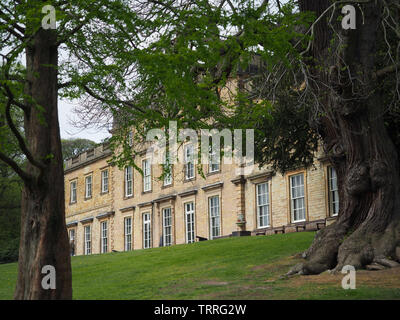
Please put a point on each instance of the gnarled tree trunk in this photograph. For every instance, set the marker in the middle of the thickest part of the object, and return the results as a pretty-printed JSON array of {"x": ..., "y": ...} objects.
[
  {"x": 44, "y": 239},
  {"x": 358, "y": 145}
]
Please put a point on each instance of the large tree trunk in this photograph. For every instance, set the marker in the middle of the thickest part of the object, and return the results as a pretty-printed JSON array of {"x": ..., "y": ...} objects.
[
  {"x": 44, "y": 239},
  {"x": 358, "y": 145}
]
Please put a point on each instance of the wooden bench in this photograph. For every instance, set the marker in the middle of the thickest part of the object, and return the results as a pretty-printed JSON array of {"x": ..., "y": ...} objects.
[
  {"x": 201, "y": 238},
  {"x": 260, "y": 233},
  {"x": 281, "y": 229},
  {"x": 300, "y": 226},
  {"x": 321, "y": 223}
]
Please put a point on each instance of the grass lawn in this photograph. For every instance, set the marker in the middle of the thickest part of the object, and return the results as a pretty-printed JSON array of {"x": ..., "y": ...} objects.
[{"x": 234, "y": 268}]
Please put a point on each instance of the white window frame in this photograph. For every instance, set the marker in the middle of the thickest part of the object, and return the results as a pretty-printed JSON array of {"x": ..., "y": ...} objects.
[
  {"x": 71, "y": 235},
  {"x": 297, "y": 195},
  {"x": 130, "y": 138},
  {"x": 87, "y": 239},
  {"x": 189, "y": 164},
  {"x": 146, "y": 230},
  {"x": 104, "y": 236},
  {"x": 334, "y": 200},
  {"x": 263, "y": 207},
  {"x": 146, "y": 167},
  {"x": 128, "y": 174},
  {"x": 215, "y": 216},
  {"x": 73, "y": 191},
  {"x": 189, "y": 221},
  {"x": 167, "y": 226},
  {"x": 88, "y": 186},
  {"x": 213, "y": 166},
  {"x": 104, "y": 181},
  {"x": 128, "y": 233},
  {"x": 168, "y": 175}
]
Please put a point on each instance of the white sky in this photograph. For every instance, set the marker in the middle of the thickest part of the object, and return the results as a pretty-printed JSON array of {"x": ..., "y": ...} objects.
[{"x": 67, "y": 130}]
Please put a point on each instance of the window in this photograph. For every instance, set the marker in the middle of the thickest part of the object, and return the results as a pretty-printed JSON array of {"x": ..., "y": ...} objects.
[
  {"x": 189, "y": 221},
  {"x": 88, "y": 240},
  {"x": 130, "y": 138},
  {"x": 72, "y": 241},
  {"x": 189, "y": 166},
  {"x": 128, "y": 182},
  {"x": 297, "y": 198},
  {"x": 88, "y": 187},
  {"x": 146, "y": 231},
  {"x": 333, "y": 192},
  {"x": 167, "y": 227},
  {"x": 214, "y": 161},
  {"x": 73, "y": 192},
  {"x": 146, "y": 175},
  {"x": 168, "y": 175},
  {"x": 215, "y": 226},
  {"x": 104, "y": 237},
  {"x": 262, "y": 205},
  {"x": 104, "y": 181},
  {"x": 128, "y": 233}
]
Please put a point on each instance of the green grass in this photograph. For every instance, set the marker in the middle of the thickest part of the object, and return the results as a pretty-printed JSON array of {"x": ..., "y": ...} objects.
[{"x": 234, "y": 268}]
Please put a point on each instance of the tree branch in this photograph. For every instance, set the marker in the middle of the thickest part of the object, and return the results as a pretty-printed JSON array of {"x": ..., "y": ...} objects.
[{"x": 389, "y": 69}]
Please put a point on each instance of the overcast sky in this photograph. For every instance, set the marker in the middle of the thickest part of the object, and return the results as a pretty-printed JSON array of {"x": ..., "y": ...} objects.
[{"x": 65, "y": 114}]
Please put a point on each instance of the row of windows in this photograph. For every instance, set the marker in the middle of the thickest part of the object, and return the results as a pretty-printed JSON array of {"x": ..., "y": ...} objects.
[
  {"x": 146, "y": 168},
  {"x": 297, "y": 199},
  {"x": 297, "y": 205}
]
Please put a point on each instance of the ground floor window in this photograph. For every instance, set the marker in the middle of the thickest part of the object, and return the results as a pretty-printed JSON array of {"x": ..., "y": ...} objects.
[
  {"x": 215, "y": 219},
  {"x": 128, "y": 233},
  {"x": 72, "y": 241},
  {"x": 297, "y": 198},
  {"x": 146, "y": 230},
  {"x": 263, "y": 205},
  {"x": 104, "y": 237},
  {"x": 189, "y": 221},
  {"x": 333, "y": 192},
  {"x": 88, "y": 239},
  {"x": 167, "y": 226}
]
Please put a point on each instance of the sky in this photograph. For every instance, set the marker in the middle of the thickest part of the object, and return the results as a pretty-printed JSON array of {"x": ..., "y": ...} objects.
[{"x": 68, "y": 131}]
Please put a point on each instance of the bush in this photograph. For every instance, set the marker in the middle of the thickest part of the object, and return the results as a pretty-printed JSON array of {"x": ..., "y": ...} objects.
[{"x": 9, "y": 251}]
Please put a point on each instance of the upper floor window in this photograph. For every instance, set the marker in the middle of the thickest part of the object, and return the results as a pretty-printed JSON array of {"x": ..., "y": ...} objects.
[
  {"x": 88, "y": 186},
  {"x": 73, "y": 192},
  {"x": 263, "y": 205},
  {"x": 146, "y": 167},
  {"x": 168, "y": 170},
  {"x": 214, "y": 161},
  {"x": 333, "y": 191},
  {"x": 104, "y": 181},
  {"x": 130, "y": 138},
  {"x": 189, "y": 163},
  {"x": 128, "y": 181},
  {"x": 297, "y": 198}
]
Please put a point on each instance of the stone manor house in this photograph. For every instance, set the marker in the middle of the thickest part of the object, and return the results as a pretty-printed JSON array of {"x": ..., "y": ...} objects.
[{"x": 108, "y": 209}]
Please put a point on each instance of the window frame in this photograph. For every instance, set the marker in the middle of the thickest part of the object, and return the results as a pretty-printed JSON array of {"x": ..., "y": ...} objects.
[
  {"x": 87, "y": 188},
  {"x": 127, "y": 235},
  {"x": 191, "y": 213},
  {"x": 75, "y": 182},
  {"x": 331, "y": 191},
  {"x": 103, "y": 178},
  {"x": 128, "y": 182},
  {"x": 189, "y": 161},
  {"x": 293, "y": 200},
  {"x": 146, "y": 223},
  {"x": 267, "y": 204},
  {"x": 146, "y": 175},
  {"x": 167, "y": 227},
  {"x": 216, "y": 218},
  {"x": 87, "y": 239},
  {"x": 104, "y": 237}
]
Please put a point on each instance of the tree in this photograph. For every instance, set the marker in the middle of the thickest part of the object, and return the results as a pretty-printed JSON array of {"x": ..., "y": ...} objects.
[
  {"x": 72, "y": 147},
  {"x": 317, "y": 81},
  {"x": 29, "y": 30}
]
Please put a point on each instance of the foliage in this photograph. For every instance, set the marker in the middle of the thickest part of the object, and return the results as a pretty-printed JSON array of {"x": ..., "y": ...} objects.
[{"x": 72, "y": 147}]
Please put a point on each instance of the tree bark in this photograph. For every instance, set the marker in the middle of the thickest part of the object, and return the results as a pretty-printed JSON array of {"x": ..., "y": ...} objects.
[
  {"x": 358, "y": 145},
  {"x": 44, "y": 239}
]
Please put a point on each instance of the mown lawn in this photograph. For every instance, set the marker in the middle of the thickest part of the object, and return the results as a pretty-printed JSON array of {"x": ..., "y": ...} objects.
[{"x": 234, "y": 268}]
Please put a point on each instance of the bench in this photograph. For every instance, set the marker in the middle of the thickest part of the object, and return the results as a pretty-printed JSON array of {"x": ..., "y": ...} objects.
[
  {"x": 321, "y": 223},
  {"x": 300, "y": 226},
  {"x": 281, "y": 229},
  {"x": 201, "y": 238},
  {"x": 260, "y": 233}
]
